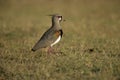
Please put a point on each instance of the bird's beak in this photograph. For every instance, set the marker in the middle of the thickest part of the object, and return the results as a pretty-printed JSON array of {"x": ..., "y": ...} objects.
[{"x": 64, "y": 20}]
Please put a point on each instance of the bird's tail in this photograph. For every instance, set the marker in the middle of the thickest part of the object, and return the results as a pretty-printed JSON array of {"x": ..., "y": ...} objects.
[
  {"x": 33, "y": 50},
  {"x": 37, "y": 46}
]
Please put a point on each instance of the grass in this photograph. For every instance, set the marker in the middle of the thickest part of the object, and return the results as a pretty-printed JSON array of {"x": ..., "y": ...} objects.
[{"x": 90, "y": 44}]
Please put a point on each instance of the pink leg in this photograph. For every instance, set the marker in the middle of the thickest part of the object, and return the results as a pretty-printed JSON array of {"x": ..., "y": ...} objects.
[{"x": 50, "y": 50}]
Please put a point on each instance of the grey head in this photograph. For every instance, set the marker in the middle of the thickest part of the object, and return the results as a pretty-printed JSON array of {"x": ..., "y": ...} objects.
[{"x": 56, "y": 19}]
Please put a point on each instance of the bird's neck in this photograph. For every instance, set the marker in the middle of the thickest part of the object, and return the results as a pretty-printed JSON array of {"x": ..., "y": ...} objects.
[{"x": 56, "y": 25}]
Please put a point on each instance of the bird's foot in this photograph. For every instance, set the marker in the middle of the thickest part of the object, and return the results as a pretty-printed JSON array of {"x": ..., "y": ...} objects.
[{"x": 50, "y": 50}]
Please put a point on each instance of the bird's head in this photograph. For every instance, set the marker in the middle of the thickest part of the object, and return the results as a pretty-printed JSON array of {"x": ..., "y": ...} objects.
[{"x": 56, "y": 18}]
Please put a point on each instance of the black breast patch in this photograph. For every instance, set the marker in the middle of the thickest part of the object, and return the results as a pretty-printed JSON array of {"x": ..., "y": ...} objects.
[{"x": 61, "y": 32}]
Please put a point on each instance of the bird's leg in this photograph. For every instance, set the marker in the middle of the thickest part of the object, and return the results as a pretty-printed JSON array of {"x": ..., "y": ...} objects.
[{"x": 50, "y": 50}]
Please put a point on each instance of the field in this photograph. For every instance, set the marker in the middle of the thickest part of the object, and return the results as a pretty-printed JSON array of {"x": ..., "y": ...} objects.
[{"x": 90, "y": 45}]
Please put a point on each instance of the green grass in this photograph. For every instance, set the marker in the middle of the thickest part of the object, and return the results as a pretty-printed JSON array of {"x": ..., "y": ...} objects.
[{"x": 90, "y": 44}]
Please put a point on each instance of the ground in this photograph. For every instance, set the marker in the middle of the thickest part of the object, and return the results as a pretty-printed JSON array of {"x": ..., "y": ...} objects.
[{"x": 90, "y": 45}]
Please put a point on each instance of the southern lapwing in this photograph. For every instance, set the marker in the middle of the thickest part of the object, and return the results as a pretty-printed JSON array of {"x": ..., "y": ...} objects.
[{"x": 51, "y": 36}]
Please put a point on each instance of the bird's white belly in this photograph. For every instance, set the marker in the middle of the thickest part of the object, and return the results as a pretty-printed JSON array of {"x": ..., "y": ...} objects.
[{"x": 58, "y": 39}]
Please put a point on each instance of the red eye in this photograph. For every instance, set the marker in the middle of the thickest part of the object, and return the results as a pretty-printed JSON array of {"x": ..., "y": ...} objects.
[{"x": 59, "y": 16}]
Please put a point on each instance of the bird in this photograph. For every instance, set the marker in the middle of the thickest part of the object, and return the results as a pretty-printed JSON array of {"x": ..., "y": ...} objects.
[{"x": 52, "y": 36}]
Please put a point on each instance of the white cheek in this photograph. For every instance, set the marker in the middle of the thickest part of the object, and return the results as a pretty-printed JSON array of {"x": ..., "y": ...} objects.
[{"x": 60, "y": 19}]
